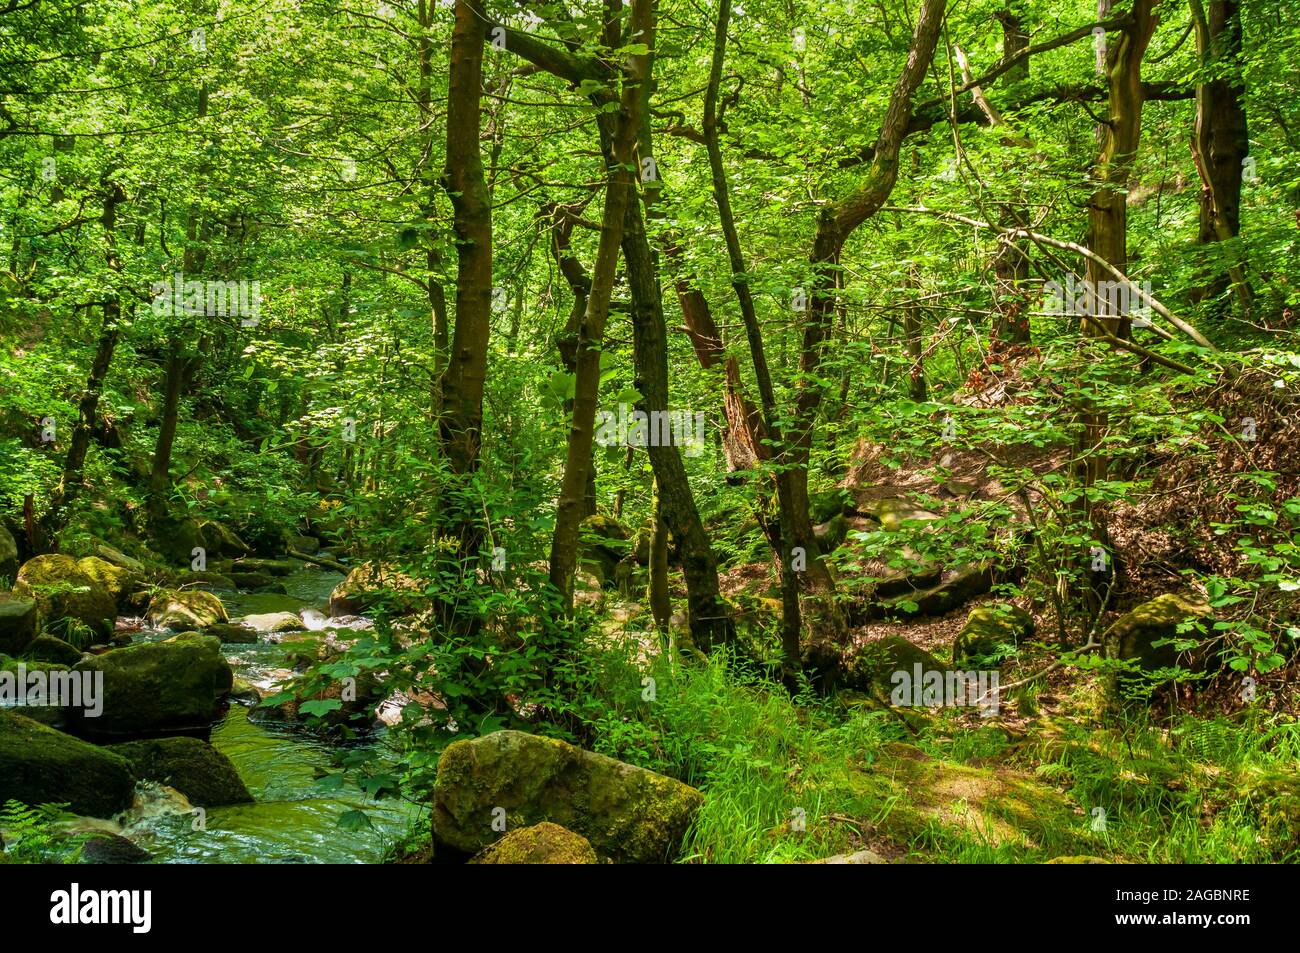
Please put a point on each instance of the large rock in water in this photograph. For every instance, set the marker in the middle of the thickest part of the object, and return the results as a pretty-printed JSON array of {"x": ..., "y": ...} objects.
[
  {"x": 17, "y": 624},
  {"x": 544, "y": 843},
  {"x": 124, "y": 585},
  {"x": 8, "y": 557},
  {"x": 62, "y": 589},
  {"x": 199, "y": 771},
  {"x": 221, "y": 540},
  {"x": 182, "y": 610},
  {"x": 39, "y": 765},
  {"x": 273, "y": 622},
  {"x": 368, "y": 585},
  {"x": 629, "y": 814},
  {"x": 159, "y": 687}
]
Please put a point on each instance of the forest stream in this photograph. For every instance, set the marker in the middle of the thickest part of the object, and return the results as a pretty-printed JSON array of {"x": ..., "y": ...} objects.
[{"x": 292, "y": 820}]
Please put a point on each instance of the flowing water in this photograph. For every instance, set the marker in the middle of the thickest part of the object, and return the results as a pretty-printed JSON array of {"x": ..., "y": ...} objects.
[{"x": 292, "y": 820}]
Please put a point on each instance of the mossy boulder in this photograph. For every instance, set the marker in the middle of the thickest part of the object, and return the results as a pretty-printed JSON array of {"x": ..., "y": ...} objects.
[
  {"x": 544, "y": 843},
  {"x": 159, "y": 687},
  {"x": 118, "y": 558},
  {"x": 628, "y": 814},
  {"x": 1133, "y": 637},
  {"x": 47, "y": 648},
  {"x": 185, "y": 609},
  {"x": 199, "y": 771},
  {"x": 832, "y": 532},
  {"x": 368, "y": 585},
  {"x": 954, "y": 588},
  {"x": 176, "y": 538},
  {"x": 603, "y": 542},
  {"x": 309, "y": 545},
  {"x": 8, "y": 556},
  {"x": 205, "y": 579},
  {"x": 252, "y": 580},
  {"x": 274, "y": 567},
  {"x": 221, "y": 540},
  {"x": 124, "y": 585},
  {"x": 271, "y": 622},
  {"x": 62, "y": 591},
  {"x": 18, "y": 619},
  {"x": 893, "y": 512},
  {"x": 106, "y": 848},
  {"x": 232, "y": 633},
  {"x": 871, "y": 668},
  {"x": 39, "y": 765},
  {"x": 992, "y": 631}
]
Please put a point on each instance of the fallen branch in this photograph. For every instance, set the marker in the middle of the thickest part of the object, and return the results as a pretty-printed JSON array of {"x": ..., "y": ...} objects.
[{"x": 321, "y": 561}]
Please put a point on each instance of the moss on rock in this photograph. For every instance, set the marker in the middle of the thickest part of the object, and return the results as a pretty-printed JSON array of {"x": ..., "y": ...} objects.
[
  {"x": 543, "y": 843},
  {"x": 61, "y": 590},
  {"x": 992, "y": 631},
  {"x": 39, "y": 765},
  {"x": 199, "y": 771},
  {"x": 629, "y": 814},
  {"x": 182, "y": 610},
  {"x": 1133, "y": 636},
  {"x": 124, "y": 585},
  {"x": 18, "y": 619},
  {"x": 155, "y": 687},
  {"x": 47, "y": 648},
  {"x": 368, "y": 585}
]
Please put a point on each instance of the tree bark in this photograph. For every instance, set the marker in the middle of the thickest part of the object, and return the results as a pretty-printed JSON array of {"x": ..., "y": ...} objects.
[
  {"x": 1120, "y": 137},
  {"x": 110, "y": 330},
  {"x": 791, "y": 613},
  {"x": 591, "y": 332},
  {"x": 1219, "y": 140},
  {"x": 463, "y": 380}
]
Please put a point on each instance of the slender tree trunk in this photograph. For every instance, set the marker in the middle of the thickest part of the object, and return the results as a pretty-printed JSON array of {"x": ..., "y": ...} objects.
[
  {"x": 1011, "y": 266},
  {"x": 561, "y": 230},
  {"x": 789, "y": 561},
  {"x": 463, "y": 380},
  {"x": 710, "y": 620},
  {"x": 657, "y": 588},
  {"x": 591, "y": 333},
  {"x": 1120, "y": 137},
  {"x": 1219, "y": 140},
  {"x": 433, "y": 260},
  {"x": 110, "y": 330}
]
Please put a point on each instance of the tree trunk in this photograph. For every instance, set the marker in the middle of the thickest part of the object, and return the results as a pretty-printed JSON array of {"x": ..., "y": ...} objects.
[
  {"x": 835, "y": 223},
  {"x": 791, "y": 613},
  {"x": 1219, "y": 141},
  {"x": 657, "y": 588},
  {"x": 591, "y": 333},
  {"x": 463, "y": 380},
  {"x": 110, "y": 330},
  {"x": 1120, "y": 137}
]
